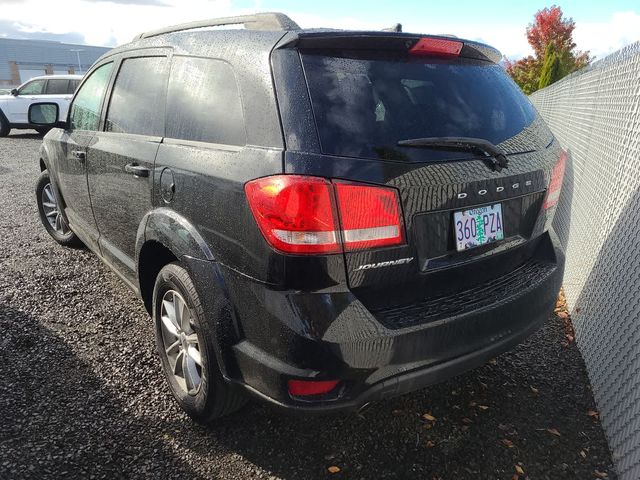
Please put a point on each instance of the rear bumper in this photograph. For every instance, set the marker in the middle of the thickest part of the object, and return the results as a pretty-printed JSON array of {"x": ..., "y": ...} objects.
[{"x": 331, "y": 335}]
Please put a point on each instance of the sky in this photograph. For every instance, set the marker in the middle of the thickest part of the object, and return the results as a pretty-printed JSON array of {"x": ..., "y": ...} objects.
[{"x": 602, "y": 26}]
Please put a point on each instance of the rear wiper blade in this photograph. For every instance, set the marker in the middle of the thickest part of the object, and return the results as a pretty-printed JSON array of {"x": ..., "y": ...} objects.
[{"x": 495, "y": 158}]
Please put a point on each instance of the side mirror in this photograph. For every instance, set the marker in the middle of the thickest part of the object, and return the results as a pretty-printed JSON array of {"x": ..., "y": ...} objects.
[
  {"x": 14, "y": 92},
  {"x": 44, "y": 113}
]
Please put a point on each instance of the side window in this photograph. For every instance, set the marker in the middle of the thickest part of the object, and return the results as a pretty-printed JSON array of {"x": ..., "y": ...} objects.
[
  {"x": 137, "y": 101},
  {"x": 73, "y": 86},
  {"x": 203, "y": 102},
  {"x": 85, "y": 109},
  {"x": 32, "y": 88},
  {"x": 57, "y": 87}
]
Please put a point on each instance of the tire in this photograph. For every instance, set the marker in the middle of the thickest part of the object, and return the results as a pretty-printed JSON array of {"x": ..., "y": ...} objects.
[
  {"x": 212, "y": 397},
  {"x": 50, "y": 216},
  {"x": 5, "y": 127}
]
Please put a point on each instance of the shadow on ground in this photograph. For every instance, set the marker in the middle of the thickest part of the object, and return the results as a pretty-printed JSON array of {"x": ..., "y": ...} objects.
[{"x": 58, "y": 420}]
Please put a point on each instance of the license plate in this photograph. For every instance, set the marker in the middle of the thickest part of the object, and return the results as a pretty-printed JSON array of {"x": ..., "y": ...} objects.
[{"x": 478, "y": 226}]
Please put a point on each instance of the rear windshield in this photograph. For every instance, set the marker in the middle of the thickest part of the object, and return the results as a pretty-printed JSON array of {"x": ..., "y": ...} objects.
[{"x": 364, "y": 106}]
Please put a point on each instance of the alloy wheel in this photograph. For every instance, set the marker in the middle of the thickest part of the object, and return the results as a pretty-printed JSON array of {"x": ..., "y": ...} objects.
[
  {"x": 180, "y": 342},
  {"x": 52, "y": 211}
]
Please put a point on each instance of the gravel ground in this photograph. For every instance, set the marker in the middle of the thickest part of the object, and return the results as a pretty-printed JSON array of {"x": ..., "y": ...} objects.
[{"x": 82, "y": 396}]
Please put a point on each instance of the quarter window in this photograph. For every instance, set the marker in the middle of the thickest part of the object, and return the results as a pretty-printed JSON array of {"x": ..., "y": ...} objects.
[
  {"x": 85, "y": 109},
  {"x": 203, "y": 102},
  {"x": 57, "y": 87},
  {"x": 137, "y": 101},
  {"x": 33, "y": 88}
]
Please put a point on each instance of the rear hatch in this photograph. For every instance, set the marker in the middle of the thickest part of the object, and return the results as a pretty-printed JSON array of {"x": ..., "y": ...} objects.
[{"x": 439, "y": 121}]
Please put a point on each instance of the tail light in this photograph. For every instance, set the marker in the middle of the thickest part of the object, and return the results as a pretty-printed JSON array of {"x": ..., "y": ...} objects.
[
  {"x": 295, "y": 213},
  {"x": 306, "y": 215},
  {"x": 437, "y": 47},
  {"x": 305, "y": 388},
  {"x": 555, "y": 186},
  {"x": 369, "y": 216}
]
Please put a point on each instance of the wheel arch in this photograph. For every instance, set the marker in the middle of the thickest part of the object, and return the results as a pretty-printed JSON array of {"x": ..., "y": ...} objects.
[
  {"x": 5, "y": 120},
  {"x": 163, "y": 237}
]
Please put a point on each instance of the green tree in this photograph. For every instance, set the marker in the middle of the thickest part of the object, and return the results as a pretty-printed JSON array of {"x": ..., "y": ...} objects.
[{"x": 551, "y": 67}]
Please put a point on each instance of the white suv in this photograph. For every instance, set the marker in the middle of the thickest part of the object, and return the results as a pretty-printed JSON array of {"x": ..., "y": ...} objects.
[{"x": 14, "y": 107}]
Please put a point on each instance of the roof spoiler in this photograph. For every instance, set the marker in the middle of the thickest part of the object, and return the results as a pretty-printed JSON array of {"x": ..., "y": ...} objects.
[
  {"x": 382, "y": 41},
  {"x": 259, "y": 21}
]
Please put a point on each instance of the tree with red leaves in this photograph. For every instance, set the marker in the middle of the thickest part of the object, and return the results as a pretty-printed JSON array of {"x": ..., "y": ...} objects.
[{"x": 549, "y": 26}]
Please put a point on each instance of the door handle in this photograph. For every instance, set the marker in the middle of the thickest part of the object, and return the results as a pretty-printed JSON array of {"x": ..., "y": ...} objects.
[
  {"x": 79, "y": 155},
  {"x": 136, "y": 170}
]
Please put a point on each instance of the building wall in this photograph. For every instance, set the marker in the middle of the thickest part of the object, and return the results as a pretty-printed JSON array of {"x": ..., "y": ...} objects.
[
  {"x": 595, "y": 114},
  {"x": 22, "y": 59}
]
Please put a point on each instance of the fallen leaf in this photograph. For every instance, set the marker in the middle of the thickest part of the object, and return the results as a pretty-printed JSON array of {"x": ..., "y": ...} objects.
[
  {"x": 467, "y": 420},
  {"x": 430, "y": 444},
  {"x": 534, "y": 389},
  {"x": 483, "y": 407},
  {"x": 507, "y": 443},
  {"x": 583, "y": 454},
  {"x": 519, "y": 470},
  {"x": 472, "y": 404},
  {"x": 554, "y": 432},
  {"x": 515, "y": 477},
  {"x": 600, "y": 474},
  {"x": 563, "y": 315},
  {"x": 429, "y": 417},
  {"x": 593, "y": 414},
  {"x": 493, "y": 361},
  {"x": 333, "y": 469}
]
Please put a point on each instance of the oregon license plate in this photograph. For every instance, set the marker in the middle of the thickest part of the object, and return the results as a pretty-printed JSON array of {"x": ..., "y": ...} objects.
[{"x": 478, "y": 226}]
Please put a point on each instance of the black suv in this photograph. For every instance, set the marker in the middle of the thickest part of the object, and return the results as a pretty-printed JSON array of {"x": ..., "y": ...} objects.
[{"x": 320, "y": 218}]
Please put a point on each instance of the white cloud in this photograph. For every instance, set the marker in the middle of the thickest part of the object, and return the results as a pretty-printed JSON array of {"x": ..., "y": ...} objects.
[
  {"x": 102, "y": 22},
  {"x": 607, "y": 36}
]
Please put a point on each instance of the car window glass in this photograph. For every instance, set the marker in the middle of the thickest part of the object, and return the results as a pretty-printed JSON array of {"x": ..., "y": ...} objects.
[
  {"x": 57, "y": 86},
  {"x": 364, "y": 103},
  {"x": 73, "y": 86},
  {"x": 203, "y": 102},
  {"x": 85, "y": 109},
  {"x": 32, "y": 88},
  {"x": 137, "y": 101}
]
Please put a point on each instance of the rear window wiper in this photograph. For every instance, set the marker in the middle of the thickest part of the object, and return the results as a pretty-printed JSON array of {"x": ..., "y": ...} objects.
[{"x": 495, "y": 158}]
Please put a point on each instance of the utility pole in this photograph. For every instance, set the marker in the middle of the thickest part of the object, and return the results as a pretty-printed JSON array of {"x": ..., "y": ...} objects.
[{"x": 78, "y": 50}]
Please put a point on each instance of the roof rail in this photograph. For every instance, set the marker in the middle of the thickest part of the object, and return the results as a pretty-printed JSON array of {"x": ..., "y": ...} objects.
[{"x": 258, "y": 21}]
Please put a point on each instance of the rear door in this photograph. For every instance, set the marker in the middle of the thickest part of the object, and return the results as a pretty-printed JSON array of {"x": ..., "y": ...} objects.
[
  {"x": 57, "y": 90},
  {"x": 365, "y": 102},
  {"x": 120, "y": 172}
]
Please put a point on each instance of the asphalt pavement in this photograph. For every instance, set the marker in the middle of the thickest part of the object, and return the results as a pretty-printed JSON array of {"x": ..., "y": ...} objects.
[{"x": 82, "y": 393}]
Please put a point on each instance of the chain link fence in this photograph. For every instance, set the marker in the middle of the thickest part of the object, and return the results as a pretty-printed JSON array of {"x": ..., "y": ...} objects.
[{"x": 595, "y": 114}]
